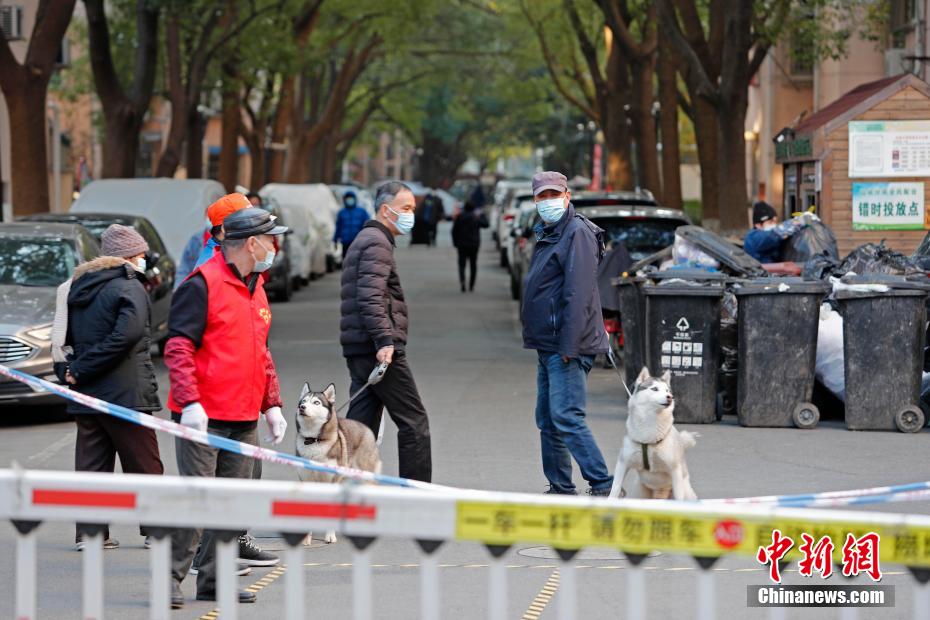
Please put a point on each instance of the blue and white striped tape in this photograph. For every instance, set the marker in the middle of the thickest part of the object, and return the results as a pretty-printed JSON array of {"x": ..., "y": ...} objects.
[
  {"x": 222, "y": 443},
  {"x": 914, "y": 491}
]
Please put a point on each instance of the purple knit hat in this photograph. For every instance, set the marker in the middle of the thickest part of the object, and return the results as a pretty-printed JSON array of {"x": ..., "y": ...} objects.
[{"x": 122, "y": 241}]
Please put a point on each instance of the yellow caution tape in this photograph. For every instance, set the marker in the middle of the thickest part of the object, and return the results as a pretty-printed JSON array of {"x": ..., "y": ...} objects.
[{"x": 700, "y": 534}]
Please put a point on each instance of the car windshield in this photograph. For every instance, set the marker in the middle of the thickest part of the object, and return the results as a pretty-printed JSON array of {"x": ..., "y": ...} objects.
[
  {"x": 35, "y": 261},
  {"x": 612, "y": 202},
  {"x": 642, "y": 236},
  {"x": 96, "y": 227}
]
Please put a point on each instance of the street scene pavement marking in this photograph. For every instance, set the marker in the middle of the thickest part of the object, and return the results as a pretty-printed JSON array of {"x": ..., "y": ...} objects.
[{"x": 538, "y": 606}]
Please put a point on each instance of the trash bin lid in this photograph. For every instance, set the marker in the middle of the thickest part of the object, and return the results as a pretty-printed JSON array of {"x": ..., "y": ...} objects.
[
  {"x": 689, "y": 273},
  {"x": 782, "y": 286},
  {"x": 684, "y": 288},
  {"x": 627, "y": 280},
  {"x": 890, "y": 280},
  {"x": 729, "y": 254},
  {"x": 900, "y": 292}
]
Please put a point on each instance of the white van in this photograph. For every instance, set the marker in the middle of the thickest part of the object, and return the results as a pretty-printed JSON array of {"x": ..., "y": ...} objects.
[
  {"x": 310, "y": 211},
  {"x": 176, "y": 207}
]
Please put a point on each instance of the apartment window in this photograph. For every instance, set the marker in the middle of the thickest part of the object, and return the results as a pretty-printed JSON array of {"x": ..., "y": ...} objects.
[
  {"x": 903, "y": 13},
  {"x": 11, "y": 22}
]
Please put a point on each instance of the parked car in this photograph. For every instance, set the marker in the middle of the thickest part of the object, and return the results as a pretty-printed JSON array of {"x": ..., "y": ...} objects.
[
  {"x": 35, "y": 257},
  {"x": 175, "y": 207},
  {"x": 310, "y": 210},
  {"x": 160, "y": 270},
  {"x": 503, "y": 192},
  {"x": 507, "y": 219}
]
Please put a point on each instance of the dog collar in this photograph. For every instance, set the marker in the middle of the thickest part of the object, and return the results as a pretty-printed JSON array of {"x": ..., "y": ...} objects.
[{"x": 310, "y": 440}]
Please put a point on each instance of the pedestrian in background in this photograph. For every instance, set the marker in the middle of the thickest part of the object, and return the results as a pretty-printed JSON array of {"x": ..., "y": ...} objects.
[
  {"x": 106, "y": 331},
  {"x": 562, "y": 321},
  {"x": 374, "y": 330},
  {"x": 349, "y": 222},
  {"x": 466, "y": 237},
  {"x": 764, "y": 241},
  {"x": 203, "y": 244},
  {"x": 222, "y": 374}
]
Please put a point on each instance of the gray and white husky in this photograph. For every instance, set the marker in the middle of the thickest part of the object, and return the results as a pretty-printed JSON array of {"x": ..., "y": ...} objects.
[
  {"x": 653, "y": 449},
  {"x": 323, "y": 437}
]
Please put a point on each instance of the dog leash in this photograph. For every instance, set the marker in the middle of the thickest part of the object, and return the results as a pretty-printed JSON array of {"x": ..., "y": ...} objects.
[
  {"x": 373, "y": 379},
  {"x": 613, "y": 362}
]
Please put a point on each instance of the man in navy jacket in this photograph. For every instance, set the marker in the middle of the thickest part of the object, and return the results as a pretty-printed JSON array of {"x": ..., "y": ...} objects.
[{"x": 562, "y": 321}]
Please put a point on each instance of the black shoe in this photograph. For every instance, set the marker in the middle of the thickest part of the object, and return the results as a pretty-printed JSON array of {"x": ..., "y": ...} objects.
[
  {"x": 177, "y": 597},
  {"x": 244, "y": 596},
  {"x": 109, "y": 543},
  {"x": 241, "y": 570},
  {"x": 251, "y": 555},
  {"x": 554, "y": 490},
  {"x": 463, "y": 287},
  {"x": 599, "y": 492}
]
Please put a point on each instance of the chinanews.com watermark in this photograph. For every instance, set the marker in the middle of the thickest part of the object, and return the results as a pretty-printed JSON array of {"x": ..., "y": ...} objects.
[{"x": 858, "y": 555}]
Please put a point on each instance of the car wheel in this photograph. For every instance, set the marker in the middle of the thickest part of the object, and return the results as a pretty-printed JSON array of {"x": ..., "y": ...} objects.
[
  {"x": 514, "y": 285},
  {"x": 286, "y": 292}
]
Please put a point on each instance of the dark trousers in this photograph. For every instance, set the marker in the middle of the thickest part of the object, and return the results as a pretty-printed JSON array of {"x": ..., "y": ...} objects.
[
  {"x": 398, "y": 392},
  {"x": 101, "y": 437},
  {"x": 470, "y": 255},
  {"x": 195, "y": 459}
]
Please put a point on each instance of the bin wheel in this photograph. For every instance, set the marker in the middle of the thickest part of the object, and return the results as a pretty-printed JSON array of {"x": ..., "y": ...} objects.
[
  {"x": 909, "y": 420},
  {"x": 806, "y": 416}
]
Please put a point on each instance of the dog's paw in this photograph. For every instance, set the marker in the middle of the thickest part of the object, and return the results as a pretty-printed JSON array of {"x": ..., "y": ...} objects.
[
  {"x": 622, "y": 492},
  {"x": 330, "y": 538},
  {"x": 308, "y": 540}
]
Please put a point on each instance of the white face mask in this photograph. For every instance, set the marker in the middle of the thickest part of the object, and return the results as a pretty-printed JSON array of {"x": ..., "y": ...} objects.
[
  {"x": 552, "y": 209},
  {"x": 263, "y": 265},
  {"x": 769, "y": 225},
  {"x": 140, "y": 264},
  {"x": 404, "y": 222}
]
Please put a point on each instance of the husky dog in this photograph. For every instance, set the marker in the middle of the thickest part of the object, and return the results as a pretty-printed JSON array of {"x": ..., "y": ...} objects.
[
  {"x": 325, "y": 438},
  {"x": 653, "y": 448}
]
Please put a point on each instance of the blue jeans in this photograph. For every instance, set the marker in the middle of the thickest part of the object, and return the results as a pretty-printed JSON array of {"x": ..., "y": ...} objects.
[{"x": 561, "y": 396}]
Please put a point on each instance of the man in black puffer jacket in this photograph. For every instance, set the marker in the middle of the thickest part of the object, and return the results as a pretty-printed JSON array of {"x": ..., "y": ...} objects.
[
  {"x": 374, "y": 330},
  {"x": 109, "y": 332}
]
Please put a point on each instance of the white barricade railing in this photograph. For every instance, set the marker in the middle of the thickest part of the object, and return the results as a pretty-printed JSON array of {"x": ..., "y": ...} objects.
[{"x": 364, "y": 512}]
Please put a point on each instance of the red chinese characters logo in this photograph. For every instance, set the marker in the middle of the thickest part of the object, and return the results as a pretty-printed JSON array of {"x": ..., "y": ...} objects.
[
  {"x": 770, "y": 555},
  {"x": 860, "y": 555},
  {"x": 817, "y": 557}
]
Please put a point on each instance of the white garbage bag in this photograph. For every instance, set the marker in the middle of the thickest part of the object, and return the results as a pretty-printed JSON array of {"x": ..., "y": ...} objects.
[{"x": 830, "y": 371}]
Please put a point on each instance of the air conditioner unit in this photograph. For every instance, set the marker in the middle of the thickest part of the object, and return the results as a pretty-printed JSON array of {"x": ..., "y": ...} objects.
[
  {"x": 895, "y": 62},
  {"x": 11, "y": 22}
]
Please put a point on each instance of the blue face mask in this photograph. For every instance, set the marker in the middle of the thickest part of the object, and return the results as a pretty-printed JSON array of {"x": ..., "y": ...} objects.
[
  {"x": 551, "y": 210},
  {"x": 404, "y": 222}
]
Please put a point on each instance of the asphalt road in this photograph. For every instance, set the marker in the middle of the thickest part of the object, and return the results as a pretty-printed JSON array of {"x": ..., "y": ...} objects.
[{"x": 479, "y": 386}]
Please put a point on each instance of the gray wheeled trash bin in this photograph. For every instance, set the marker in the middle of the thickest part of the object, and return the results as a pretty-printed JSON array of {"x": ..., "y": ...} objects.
[
  {"x": 883, "y": 345},
  {"x": 778, "y": 322},
  {"x": 682, "y": 336},
  {"x": 632, "y": 305}
]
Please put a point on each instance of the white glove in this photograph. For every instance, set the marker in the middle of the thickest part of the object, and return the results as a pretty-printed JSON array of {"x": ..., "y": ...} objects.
[
  {"x": 194, "y": 416},
  {"x": 277, "y": 425}
]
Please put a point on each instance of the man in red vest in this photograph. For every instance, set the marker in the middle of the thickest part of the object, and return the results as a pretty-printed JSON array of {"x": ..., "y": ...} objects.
[{"x": 221, "y": 371}]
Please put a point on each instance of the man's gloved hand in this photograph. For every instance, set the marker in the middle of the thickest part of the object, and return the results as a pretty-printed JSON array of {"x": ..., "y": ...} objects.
[
  {"x": 194, "y": 416},
  {"x": 277, "y": 425}
]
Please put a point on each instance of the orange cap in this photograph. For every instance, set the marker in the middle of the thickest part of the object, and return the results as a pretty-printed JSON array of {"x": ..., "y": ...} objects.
[{"x": 230, "y": 203}]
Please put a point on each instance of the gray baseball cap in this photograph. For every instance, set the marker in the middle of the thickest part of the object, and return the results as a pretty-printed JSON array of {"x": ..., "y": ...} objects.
[
  {"x": 549, "y": 180},
  {"x": 251, "y": 222}
]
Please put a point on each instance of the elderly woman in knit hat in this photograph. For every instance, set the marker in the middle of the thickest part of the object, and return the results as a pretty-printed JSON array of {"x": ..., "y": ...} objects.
[{"x": 106, "y": 334}]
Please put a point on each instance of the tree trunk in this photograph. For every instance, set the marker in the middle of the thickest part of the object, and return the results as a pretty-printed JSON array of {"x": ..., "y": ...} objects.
[
  {"x": 668, "y": 123},
  {"x": 121, "y": 143},
  {"x": 28, "y": 152},
  {"x": 229, "y": 142},
  {"x": 705, "y": 131},
  {"x": 617, "y": 143},
  {"x": 644, "y": 124},
  {"x": 731, "y": 166},
  {"x": 194, "y": 144},
  {"x": 279, "y": 130}
]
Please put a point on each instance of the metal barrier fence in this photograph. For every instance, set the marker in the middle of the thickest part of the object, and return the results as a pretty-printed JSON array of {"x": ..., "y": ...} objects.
[{"x": 365, "y": 512}]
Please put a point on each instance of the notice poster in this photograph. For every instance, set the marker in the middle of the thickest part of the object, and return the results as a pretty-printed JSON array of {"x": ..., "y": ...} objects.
[
  {"x": 889, "y": 148},
  {"x": 888, "y": 206}
]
